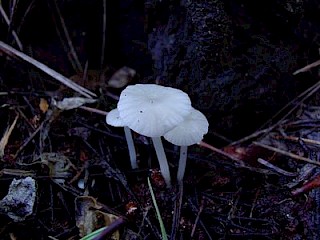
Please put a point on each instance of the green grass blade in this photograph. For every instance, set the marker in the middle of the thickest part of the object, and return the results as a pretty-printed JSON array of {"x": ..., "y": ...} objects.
[
  {"x": 92, "y": 235},
  {"x": 162, "y": 228}
]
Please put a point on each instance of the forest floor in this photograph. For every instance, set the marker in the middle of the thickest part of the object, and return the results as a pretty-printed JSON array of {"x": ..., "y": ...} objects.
[{"x": 65, "y": 173}]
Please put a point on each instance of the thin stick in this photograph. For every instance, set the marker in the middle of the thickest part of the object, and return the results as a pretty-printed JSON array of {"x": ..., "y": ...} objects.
[
  {"x": 94, "y": 110},
  {"x": 28, "y": 140},
  {"x": 288, "y": 154},
  {"x": 13, "y": 8},
  {"x": 14, "y": 34},
  {"x": 25, "y": 14},
  {"x": 69, "y": 41},
  {"x": 197, "y": 219},
  {"x": 177, "y": 212},
  {"x": 307, "y": 68},
  {"x": 296, "y": 102},
  {"x": 297, "y": 139},
  {"x": 223, "y": 153},
  {"x": 114, "y": 226},
  {"x": 59, "y": 77},
  {"x": 253, "y": 135},
  {"x": 85, "y": 73},
  {"x": 276, "y": 169},
  {"x": 194, "y": 209},
  {"x": 104, "y": 26}
]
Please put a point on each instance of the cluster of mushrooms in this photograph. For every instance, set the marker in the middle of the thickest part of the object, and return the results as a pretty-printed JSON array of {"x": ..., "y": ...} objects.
[{"x": 155, "y": 111}]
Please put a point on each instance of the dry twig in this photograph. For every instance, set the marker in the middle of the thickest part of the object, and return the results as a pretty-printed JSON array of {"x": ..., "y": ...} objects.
[
  {"x": 276, "y": 169},
  {"x": 59, "y": 77},
  {"x": 14, "y": 34},
  {"x": 307, "y": 68},
  {"x": 288, "y": 154}
]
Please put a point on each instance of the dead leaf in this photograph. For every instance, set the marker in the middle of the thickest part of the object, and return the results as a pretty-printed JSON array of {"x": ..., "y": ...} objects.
[
  {"x": 5, "y": 137},
  {"x": 90, "y": 218},
  {"x": 43, "y": 105},
  {"x": 121, "y": 77},
  {"x": 71, "y": 103},
  {"x": 60, "y": 167}
]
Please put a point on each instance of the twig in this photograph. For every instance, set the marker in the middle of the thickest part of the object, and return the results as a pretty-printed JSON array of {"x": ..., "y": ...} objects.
[
  {"x": 308, "y": 186},
  {"x": 28, "y": 140},
  {"x": 276, "y": 169},
  {"x": 241, "y": 163},
  {"x": 14, "y": 34},
  {"x": 307, "y": 68},
  {"x": 104, "y": 26},
  {"x": 294, "y": 156},
  {"x": 94, "y": 110},
  {"x": 296, "y": 102},
  {"x": 194, "y": 209},
  {"x": 254, "y": 203},
  {"x": 25, "y": 14},
  {"x": 85, "y": 73},
  {"x": 59, "y": 77},
  {"x": 114, "y": 226},
  {"x": 253, "y": 135},
  {"x": 220, "y": 136},
  {"x": 223, "y": 153},
  {"x": 13, "y": 7},
  {"x": 197, "y": 219},
  {"x": 113, "y": 96},
  {"x": 12, "y": 11},
  {"x": 177, "y": 212},
  {"x": 73, "y": 52},
  {"x": 297, "y": 139}
]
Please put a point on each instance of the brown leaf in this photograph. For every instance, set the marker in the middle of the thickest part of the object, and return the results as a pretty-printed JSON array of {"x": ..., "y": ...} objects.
[
  {"x": 43, "y": 105},
  {"x": 5, "y": 137},
  {"x": 89, "y": 218}
]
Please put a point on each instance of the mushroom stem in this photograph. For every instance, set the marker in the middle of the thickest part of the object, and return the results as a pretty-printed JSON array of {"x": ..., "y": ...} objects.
[
  {"x": 182, "y": 163},
  {"x": 163, "y": 163},
  {"x": 131, "y": 148}
]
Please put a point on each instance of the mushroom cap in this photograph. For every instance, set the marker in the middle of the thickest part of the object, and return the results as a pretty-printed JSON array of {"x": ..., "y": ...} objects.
[
  {"x": 153, "y": 110},
  {"x": 114, "y": 119},
  {"x": 190, "y": 131}
]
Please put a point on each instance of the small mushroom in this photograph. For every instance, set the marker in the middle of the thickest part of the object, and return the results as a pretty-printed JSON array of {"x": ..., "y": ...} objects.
[
  {"x": 114, "y": 120},
  {"x": 153, "y": 110},
  {"x": 187, "y": 133}
]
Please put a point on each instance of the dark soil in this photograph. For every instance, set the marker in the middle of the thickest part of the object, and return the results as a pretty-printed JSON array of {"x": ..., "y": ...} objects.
[{"x": 235, "y": 59}]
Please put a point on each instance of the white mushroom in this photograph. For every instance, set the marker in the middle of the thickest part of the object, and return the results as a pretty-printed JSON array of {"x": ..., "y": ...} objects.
[
  {"x": 187, "y": 133},
  {"x": 114, "y": 120},
  {"x": 153, "y": 110}
]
